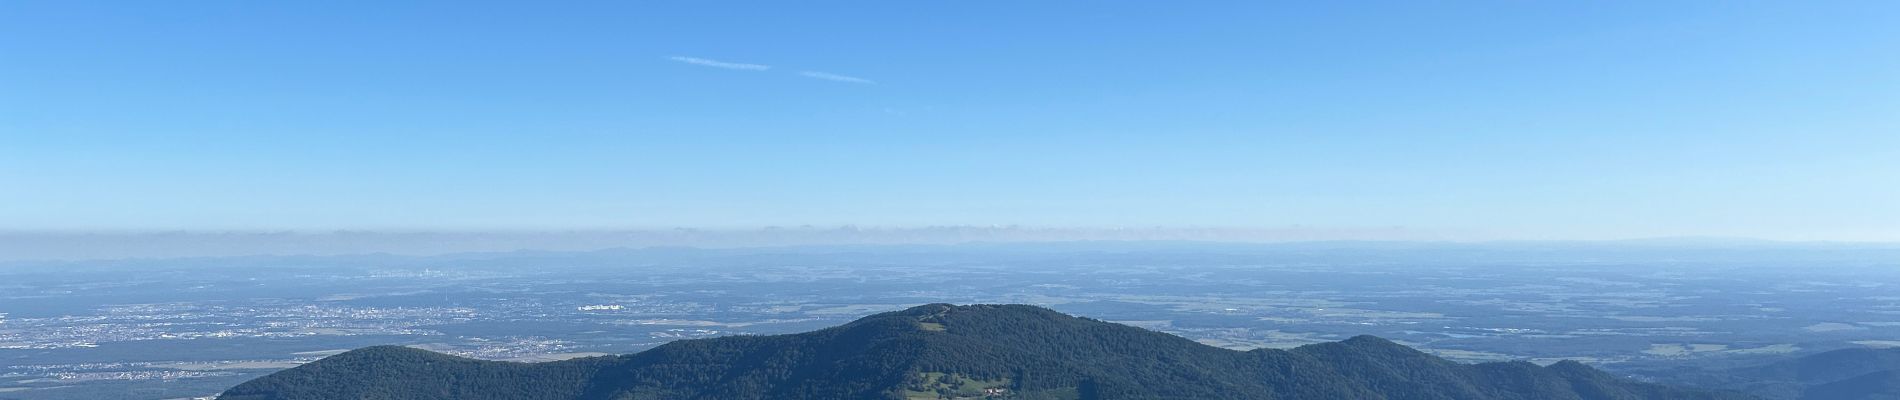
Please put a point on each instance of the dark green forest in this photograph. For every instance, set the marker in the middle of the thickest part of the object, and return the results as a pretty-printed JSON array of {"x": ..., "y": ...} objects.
[{"x": 944, "y": 351}]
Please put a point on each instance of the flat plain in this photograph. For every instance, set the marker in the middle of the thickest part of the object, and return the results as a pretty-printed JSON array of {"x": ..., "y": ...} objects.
[{"x": 181, "y": 328}]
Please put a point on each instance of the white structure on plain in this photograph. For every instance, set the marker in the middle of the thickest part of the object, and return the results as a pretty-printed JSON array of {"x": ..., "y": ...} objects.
[{"x": 601, "y": 307}]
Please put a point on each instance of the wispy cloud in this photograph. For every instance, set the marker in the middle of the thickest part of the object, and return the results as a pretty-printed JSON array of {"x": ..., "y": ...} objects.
[
  {"x": 836, "y": 77},
  {"x": 705, "y": 62}
]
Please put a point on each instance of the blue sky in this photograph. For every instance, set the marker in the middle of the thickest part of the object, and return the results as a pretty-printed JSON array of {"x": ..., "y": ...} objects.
[{"x": 1527, "y": 120}]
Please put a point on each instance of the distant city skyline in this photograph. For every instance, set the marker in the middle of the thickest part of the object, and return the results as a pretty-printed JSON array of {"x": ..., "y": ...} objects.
[{"x": 1366, "y": 121}]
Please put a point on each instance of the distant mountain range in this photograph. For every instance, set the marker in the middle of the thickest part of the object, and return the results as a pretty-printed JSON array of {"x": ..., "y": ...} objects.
[
  {"x": 34, "y": 246},
  {"x": 941, "y": 351}
]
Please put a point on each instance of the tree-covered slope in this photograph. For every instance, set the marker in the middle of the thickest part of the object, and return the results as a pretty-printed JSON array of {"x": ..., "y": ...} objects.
[
  {"x": 1854, "y": 373},
  {"x": 1871, "y": 386},
  {"x": 944, "y": 351},
  {"x": 394, "y": 372}
]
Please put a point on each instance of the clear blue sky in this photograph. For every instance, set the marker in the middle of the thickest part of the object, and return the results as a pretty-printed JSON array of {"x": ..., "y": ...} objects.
[{"x": 1498, "y": 119}]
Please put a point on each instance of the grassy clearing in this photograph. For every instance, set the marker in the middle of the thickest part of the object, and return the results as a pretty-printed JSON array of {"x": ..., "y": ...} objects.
[{"x": 942, "y": 386}]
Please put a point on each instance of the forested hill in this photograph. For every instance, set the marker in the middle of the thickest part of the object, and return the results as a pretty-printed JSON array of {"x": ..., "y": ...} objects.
[
  {"x": 944, "y": 351},
  {"x": 1844, "y": 374}
]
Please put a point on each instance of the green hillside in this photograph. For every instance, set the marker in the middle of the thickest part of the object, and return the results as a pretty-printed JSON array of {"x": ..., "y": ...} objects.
[
  {"x": 1844, "y": 374},
  {"x": 953, "y": 352}
]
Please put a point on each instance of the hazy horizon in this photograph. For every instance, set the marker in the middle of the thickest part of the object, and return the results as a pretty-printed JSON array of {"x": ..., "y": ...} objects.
[{"x": 106, "y": 245}]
